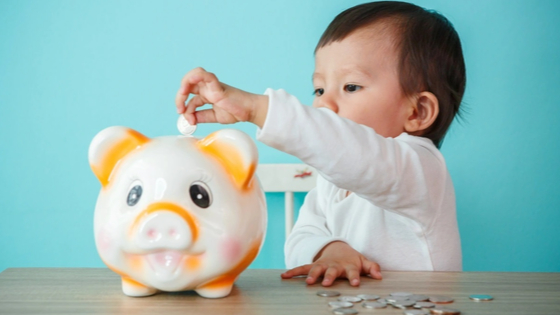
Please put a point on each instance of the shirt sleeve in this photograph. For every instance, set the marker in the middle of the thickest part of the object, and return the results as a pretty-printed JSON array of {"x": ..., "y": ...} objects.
[
  {"x": 392, "y": 173},
  {"x": 310, "y": 233}
]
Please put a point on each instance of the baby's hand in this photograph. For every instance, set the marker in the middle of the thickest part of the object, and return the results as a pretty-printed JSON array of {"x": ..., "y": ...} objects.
[
  {"x": 337, "y": 259},
  {"x": 229, "y": 105}
]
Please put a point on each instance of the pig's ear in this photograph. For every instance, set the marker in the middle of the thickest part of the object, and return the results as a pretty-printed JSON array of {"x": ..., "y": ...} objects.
[
  {"x": 109, "y": 146},
  {"x": 235, "y": 151}
]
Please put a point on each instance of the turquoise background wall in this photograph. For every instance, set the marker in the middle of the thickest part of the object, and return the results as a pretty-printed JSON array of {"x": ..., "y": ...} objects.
[{"x": 71, "y": 68}]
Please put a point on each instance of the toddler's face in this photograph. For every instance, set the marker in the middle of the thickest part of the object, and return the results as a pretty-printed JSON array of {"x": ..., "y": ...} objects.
[{"x": 357, "y": 78}]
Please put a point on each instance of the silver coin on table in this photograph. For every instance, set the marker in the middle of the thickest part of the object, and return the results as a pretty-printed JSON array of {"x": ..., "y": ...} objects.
[
  {"x": 444, "y": 311},
  {"x": 184, "y": 127},
  {"x": 328, "y": 293},
  {"x": 416, "y": 312},
  {"x": 340, "y": 304},
  {"x": 375, "y": 304},
  {"x": 390, "y": 299},
  {"x": 424, "y": 305},
  {"x": 418, "y": 297},
  {"x": 347, "y": 298},
  {"x": 401, "y": 294},
  {"x": 403, "y": 303},
  {"x": 393, "y": 299},
  {"x": 344, "y": 311},
  {"x": 368, "y": 297},
  {"x": 440, "y": 299},
  {"x": 481, "y": 297}
]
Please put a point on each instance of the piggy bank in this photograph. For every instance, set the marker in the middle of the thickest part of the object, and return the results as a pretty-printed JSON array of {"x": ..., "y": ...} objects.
[{"x": 177, "y": 213}]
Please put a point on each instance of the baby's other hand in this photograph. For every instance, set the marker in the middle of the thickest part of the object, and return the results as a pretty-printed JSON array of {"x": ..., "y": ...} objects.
[
  {"x": 335, "y": 260},
  {"x": 229, "y": 105}
]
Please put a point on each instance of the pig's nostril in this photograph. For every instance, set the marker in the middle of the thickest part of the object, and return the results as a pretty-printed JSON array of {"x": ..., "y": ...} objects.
[
  {"x": 173, "y": 233},
  {"x": 152, "y": 233}
]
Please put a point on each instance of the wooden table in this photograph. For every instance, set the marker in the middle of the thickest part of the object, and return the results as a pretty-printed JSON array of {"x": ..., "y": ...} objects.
[{"x": 261, "y": 291}]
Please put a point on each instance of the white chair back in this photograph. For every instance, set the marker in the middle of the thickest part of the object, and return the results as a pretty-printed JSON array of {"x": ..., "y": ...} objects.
[{"x": 287, "y": 178}]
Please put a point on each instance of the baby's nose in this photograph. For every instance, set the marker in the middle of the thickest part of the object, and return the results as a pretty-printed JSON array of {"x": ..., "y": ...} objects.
[{"x": 328, "y": 102}]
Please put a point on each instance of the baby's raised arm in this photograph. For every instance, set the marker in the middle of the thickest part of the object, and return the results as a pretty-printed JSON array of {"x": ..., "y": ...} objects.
[
  {"x": 229, "y": 104},
  {"x": 393, "y": 174}
]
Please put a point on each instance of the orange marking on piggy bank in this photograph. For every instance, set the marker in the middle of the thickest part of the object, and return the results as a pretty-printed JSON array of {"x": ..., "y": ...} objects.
[
  {"x": 231, "y": 159},
  {"x": 128, "y": 141},
  {"x": 229, "y": 277},
  {"x": 166, "y": 206},
  {"x": 192, "y": 263}
]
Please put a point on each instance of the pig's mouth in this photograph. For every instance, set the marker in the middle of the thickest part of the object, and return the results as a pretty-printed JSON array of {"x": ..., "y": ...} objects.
[{"x": 165, "y": 264}]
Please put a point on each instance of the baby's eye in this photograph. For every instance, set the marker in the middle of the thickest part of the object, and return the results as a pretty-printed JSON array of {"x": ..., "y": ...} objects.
[
  {"x": 318, "y": 92},
  {"x": 351, "y": 88}
]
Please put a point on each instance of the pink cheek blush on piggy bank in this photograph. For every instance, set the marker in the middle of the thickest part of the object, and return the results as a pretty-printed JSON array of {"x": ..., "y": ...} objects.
[{"x": 177, "y": 213}]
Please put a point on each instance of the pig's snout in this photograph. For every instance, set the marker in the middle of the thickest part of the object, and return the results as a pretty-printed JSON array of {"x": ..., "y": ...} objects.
[{"x": 164, "y": 229}]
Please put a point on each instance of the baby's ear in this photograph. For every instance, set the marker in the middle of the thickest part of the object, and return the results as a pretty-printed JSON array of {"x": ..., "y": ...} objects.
[
  {"x": 111, "y": 145},
  {"x": 423, "y": 112}
]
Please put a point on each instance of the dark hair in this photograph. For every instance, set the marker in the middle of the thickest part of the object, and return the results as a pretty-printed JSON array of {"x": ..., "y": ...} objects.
[{"x": 430, "y": 53}]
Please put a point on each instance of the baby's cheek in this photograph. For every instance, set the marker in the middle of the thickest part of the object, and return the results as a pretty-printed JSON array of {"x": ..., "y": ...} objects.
[{"x": 231, "y": 250}]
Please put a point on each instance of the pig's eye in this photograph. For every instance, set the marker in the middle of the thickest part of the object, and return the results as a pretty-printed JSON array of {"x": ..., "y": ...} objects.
[
  {"x": 134, "y": 195},
  {"x": 200, "y": 194}
]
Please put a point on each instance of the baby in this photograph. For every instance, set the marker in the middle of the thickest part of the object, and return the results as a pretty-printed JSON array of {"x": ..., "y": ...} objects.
[{"x": 388, "y": 81}]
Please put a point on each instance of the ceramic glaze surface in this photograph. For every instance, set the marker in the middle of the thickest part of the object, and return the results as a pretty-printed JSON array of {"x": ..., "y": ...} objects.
[{"x": 177, "y": 213}]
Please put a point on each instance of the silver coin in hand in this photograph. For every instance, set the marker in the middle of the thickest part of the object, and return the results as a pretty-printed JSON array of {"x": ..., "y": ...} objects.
[{"x": 184, "y": 127}]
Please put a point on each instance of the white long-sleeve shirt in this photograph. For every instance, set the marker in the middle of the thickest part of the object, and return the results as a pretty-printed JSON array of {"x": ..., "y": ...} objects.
[{"x": 401, "y": 213}]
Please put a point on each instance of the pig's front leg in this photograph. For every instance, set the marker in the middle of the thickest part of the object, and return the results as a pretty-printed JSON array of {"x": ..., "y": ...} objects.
[
  {"x": 215, "y": 290},
  {"x": 133, "y": 288}
]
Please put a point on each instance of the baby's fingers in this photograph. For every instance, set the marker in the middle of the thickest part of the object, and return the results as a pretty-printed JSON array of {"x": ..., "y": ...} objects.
[
  {"x": 330, "y": 275},
  {"x": 190, "y": 81},
  {"x": 353, "y": 275},
  {"x": 184, "y": 90},
  {"x": 298, "y": 271},
  {"x": 180, "y": 99},
  {"x": 206, "y": 116},
  {"x": 315, "y": 272},
  {"x": 204, "y": 83},
  {"x": 191, "y": 107},
  {"x": 190, "y": 85},
  {"x": 371, "y": 268}
]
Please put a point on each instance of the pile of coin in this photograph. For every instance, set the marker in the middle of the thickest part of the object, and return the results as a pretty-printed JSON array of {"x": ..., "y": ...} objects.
[{"x": 411, "y": 304}]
